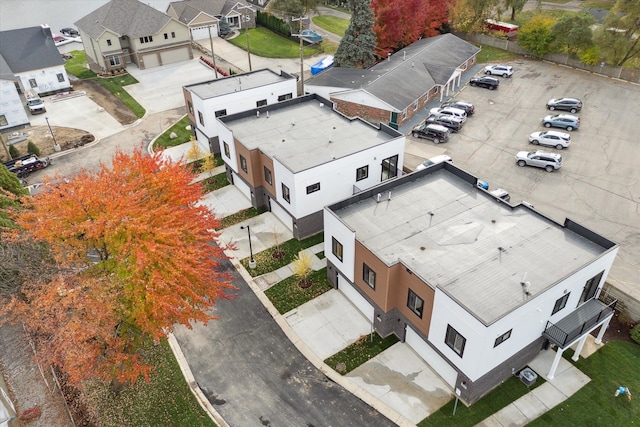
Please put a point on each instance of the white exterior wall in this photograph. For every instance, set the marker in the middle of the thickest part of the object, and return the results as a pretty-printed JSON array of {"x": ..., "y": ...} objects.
[
  {"x": 528, "y": 322},
  {"x": 237, "y": 102},
  {"x": 46, "y": 79},
  {"x": 323, "y": 91},
  {"x": 102, "y": 46},
  {"x": 227, "y": 136},
  {"x": 11, "y": 106},
  {"x": 182, "y": 35},
  {"x": 336, "y": 178},
  {"x": 333, "y": 227}
]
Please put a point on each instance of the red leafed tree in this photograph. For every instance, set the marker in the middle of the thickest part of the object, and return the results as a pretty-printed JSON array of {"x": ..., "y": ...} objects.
[
  {"x": 134, "y": 255},
  {"x": 400, "y": 23}
]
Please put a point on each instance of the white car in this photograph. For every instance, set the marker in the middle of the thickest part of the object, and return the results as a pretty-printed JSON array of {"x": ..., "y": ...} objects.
[
  {"x": 499, "y": 70},
  {"x": 551, "y": 138},
  {"x": 540, "y": 159},
  {"x": 434, "y": 161},
  {"x": 449, "y": 111}
]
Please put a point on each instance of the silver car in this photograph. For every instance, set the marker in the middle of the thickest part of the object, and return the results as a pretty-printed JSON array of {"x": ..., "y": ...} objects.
[
  {"x": 551, "y": 138},
  {"x": 449, "y": 111},
  {"x": 539, "y": 159}
]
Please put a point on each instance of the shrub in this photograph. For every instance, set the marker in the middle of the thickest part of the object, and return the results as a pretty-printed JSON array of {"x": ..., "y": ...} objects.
[
  {"x": 14, "y": 152},
  {"x": 635, "y": 333},
  {"x": 33, "y": 149}
]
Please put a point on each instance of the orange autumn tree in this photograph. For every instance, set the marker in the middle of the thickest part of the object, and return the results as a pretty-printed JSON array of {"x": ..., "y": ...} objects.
[{"x": 134, "y": 254}]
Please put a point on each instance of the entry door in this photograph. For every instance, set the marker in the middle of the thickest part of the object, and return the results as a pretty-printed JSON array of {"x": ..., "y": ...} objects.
[
  {"x": 394, "y": 121},
  {"x": 590, "y": 288}
]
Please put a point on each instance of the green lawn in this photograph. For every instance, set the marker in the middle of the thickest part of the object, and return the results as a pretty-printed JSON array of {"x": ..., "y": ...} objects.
[
  {"x": 287, "y": 295},
  {"x": 598, "y": 4},
  {"x": 333, "y": 24},
  {"x": 215, "y": 182},
  {"x": 268, "y": 44},
  {"x": 180, "y": 130},
  {"x": 78, "y": 65},
  {"x": 366, "y": 348},
  {"x": 493, "y": 54},
  {"x": 239, "y": 217},
  {"x": 115, "y": 85},
  {"x": 265, "y": 261},
  {"x": 165, "y": 401}
]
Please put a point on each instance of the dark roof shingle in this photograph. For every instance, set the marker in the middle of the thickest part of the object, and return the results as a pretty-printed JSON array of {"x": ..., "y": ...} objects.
[{"x": 27, "y": 49}]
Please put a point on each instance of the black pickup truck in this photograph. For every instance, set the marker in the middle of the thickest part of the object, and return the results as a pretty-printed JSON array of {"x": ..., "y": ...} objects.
[{"x": 23, "y": 166}]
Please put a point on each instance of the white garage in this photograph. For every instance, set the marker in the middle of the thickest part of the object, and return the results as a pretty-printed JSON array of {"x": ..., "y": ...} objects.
[
  {"x": 282, "y": 214},
  {"x": 201, "y": 33},
  {"x": 429, "y": 355},
  {"x": 242, "y": 186},
  {"x": 356, "y": 299},
  {"x": 174, "y": 55}
]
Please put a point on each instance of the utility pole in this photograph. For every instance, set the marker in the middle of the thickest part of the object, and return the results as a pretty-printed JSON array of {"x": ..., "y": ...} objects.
[
  {"x": 213, "y": 55},
  {"x": 301, "y": 54},
  {"x": 246, "y": 31}
]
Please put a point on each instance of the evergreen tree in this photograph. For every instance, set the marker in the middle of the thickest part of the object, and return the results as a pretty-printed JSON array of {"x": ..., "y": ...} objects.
[
  {"x": 225, "y": 28},
  {"x": 357, "y": 47}
]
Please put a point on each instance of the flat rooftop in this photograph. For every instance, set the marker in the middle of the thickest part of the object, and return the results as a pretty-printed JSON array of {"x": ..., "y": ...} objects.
[
  {"x": 303, "y": 133},
  {"x": 237, "y": 83},
  {"x": 461, "y": 240}
]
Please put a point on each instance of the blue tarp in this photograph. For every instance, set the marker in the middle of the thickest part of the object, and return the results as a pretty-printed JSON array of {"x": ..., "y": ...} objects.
[{"x": 318, "y": 67}]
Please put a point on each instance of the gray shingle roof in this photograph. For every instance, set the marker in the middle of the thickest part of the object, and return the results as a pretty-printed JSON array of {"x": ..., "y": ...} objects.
[
  {"x": 187, "y": 10},
  {"x": 27, "y": 49},
  {"x": 124, "y": 17},
  {"x": 408, "y": 73}
]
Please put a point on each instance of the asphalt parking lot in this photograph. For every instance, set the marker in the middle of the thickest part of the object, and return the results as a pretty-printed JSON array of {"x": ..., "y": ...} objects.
[{"x": 599, "y": 182}]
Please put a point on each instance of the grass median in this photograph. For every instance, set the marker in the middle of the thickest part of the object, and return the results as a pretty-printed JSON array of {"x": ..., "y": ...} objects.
[{"x": 287, "y": 295}]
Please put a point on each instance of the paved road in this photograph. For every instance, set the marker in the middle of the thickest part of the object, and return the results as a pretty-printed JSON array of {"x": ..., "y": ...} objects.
[
  {"x": 253, "y": 375},
  {"x": 326, "y": 34}
]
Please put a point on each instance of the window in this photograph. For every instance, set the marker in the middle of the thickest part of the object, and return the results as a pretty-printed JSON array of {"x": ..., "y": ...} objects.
[
  {"x": 415, "y": 105},
  {"x": 415, "y": 303},
  {"x": 3, "y": 120},
  {"x": 60, "y": 77},
  {"x": 267, "y": 176},
  {"x": 455, "y": 341},
  {"x": 560, "y": 303},
  {"x": 114, "y": 60},
  {"x": 336, "y": 248},
  {"x": 173, "y": 34},
  {"x": 227, "y": 152},
  {"x": 362, "y": 173},
  {"x": 389, "y": 168},
  {"x": 200, "y": 118},
  {"x": 502, "y": 338},
  {"x": 32, "y": 83},
  {"x": 220, "y": 113},
  {"x": 285, "y": 97},
  {"x": 261, "y": 103},
  {"x": 243, "y": 163},
  {"x": 313, "y": 188},
  {"x": 591, "y": 287},
  {"x": 146, "y": 39},
  {"x": 166, "y": 36},
  {"x": 108, "y": 42},
  {"x": 369, "y": 276},
  {"x": 286, "y": 195},
  {"x": 190, "y": 105}
]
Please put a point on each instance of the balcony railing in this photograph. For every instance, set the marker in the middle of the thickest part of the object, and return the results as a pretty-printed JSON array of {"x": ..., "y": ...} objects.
[{"x": 579, "y": 322}]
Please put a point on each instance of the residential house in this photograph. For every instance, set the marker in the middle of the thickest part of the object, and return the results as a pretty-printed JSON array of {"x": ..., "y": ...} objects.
[
  {"x": 394, "y": 90},
  {"x": 233, "y": 94},
  {"x": 203, "y": 16},
  {"x": 29, "y": 60},
  {"x": 129, "y": 31},
  {"x": 476, "y": 286},
  {"x": 296, "y": 156}
]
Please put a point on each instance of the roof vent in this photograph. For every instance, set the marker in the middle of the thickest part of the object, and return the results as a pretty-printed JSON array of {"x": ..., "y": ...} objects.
[
  {"x": 257, "y": 113},
  {"x": 267, "y": 114},
  {"x": 293, "y": 121}
]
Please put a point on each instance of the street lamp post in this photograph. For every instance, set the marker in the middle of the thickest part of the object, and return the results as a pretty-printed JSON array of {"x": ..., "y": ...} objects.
[
  {"x": 252, "y": 262},
  {"x": 56, "y": 147}
]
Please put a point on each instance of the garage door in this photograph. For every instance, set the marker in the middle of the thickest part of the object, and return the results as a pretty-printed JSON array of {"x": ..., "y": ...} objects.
[
  {"x": 242, "y": 186},
  {"x": 200, "y": 33},
  {"x": 429, "y": 355},
  {"x": 356, "y": 299},
  {"x": 281, "y": 213},
  {"x": 174, "y": 55},
  {"x": 150, "y": 60}
]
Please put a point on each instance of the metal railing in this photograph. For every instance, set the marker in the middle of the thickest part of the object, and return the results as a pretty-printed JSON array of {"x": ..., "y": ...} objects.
[{"x": 561, "y": 337}]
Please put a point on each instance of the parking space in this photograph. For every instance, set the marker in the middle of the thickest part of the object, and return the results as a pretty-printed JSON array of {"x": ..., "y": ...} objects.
[{"x": 599, "y": 182}]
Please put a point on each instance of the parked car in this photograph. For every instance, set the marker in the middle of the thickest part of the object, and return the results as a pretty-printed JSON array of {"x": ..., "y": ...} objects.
[
  {"x": 539, "y": 159},
  {"x": 564, "y": 121},
  {"x": 311, "y": 36},
  {"x": 436, "y": 133},
  {"x": 462, "y": 105},
  {"x": 449, "y": 111},
  {"x": 551, "y": 138},
  {"x": 434, "y": 161},
  {"x": 69, "y": 32},
  {"x": 499, "y": 70},
  {"x": 572, "y": 105},
  {"x": 490, "y": 83},
  {"x": 450, "y": 122}
]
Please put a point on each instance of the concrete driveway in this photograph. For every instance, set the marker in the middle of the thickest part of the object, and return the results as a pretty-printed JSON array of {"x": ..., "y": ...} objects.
[{"x": 599, "y": 182}]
